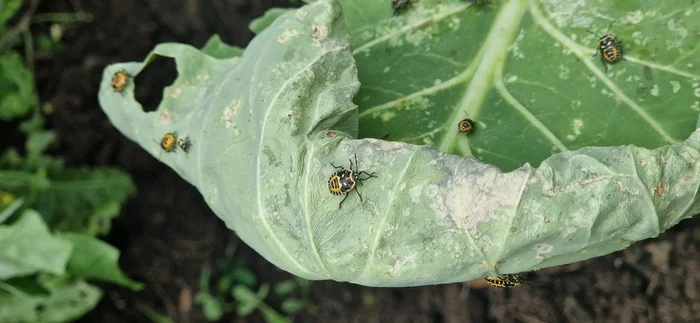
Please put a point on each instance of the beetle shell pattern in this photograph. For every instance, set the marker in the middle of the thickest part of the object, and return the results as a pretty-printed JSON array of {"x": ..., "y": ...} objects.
[
  {"x": 119, "y": 81},
  {"x": 610, "y": 49},
  {"x": 341, "y": 182},
  {"x": 466, "y": 126},
  {"x": 504, "y": 281},
  {"x": 168, "y": 142}
]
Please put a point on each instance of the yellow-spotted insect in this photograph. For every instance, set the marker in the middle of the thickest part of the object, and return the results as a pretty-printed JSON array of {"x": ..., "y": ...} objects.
[
  {"x": 184, "y": 144},
  {"x": 345, "y": 180},
  {"x": 168, "y": 141},
  {"x": 119, "y": 81},
  {"x": 505, "y": 281},
  {"x": 400, "y": 5},
  {"x": 466, "y": 126},
  {"x": 610, "y": 48}
]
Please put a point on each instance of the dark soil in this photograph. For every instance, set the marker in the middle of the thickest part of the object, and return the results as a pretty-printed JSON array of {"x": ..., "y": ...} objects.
[{"x": 167, "y": 234}]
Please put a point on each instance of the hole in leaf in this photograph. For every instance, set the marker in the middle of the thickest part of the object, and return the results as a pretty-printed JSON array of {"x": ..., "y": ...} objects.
[
  {"x": 82, "y": 294},
  {"x": 158, "y": 74},
  {"x": 39, "y": 308}
]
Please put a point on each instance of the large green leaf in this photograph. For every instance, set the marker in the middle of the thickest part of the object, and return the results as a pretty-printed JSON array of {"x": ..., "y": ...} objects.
[
  {"x": 63, "y": 304},
  {"x": 27, "y": 247},
  {"x": 524, "y": 69},
  {"x": 265, "y": 128},
  {"x": 17, "y": 96},
  {"x": 94, "y": 259},
  {"x": 85, "y": 201}
]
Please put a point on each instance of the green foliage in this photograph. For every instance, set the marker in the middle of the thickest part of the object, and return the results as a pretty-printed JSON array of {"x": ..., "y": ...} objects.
[
  {"x": 50, "y": 215},
  {"x": 8, "y": 8},
  {"x": 17, "y": 96},
  {"x": 95, "y": 259},
  {"x": 268, "y": 125},
  {"x": 27, "y": 247},
  {"x": 238, "y": 281},
  {"x": 260, "y": 23},
  {"x": 62, "y": 303},
  {"x": 523, "y": 69},
  {"x": 218, "y": 49}
]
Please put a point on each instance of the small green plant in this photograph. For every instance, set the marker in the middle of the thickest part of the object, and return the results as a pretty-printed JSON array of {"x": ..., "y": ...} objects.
[
  {"x": 50, "y": 215},
  {"x": 238, "y": 282}
]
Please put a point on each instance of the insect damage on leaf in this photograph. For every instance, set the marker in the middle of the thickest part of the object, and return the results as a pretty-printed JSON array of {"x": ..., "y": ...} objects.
[{"x": 433, "y": 217}]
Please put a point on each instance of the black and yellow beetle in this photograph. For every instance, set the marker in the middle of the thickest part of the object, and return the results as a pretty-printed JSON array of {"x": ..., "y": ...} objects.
[
  {"x": 466, "y": 126},
  {"x": 168, "y": 141},
  {"x": 184, "y": 144},
  {"x": 344, "y": 180},
  {"x": 119, "y": 81},
  {"x": 505, "y": 281},
  {"x": 610, "y": 48}
]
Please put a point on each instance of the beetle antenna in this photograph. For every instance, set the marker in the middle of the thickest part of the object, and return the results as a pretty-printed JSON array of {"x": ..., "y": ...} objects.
[{"x": 611, "y": 23}]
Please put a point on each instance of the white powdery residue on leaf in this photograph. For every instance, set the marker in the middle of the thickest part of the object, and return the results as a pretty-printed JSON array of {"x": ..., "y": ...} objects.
[
  {"x": 415, "y": 193},
  {"x": 319, "y": 34},
  {"x": 514, "y": 48},
  {"x": 401, "y": 264},
  {"x": 388, "y": 115},
  {"x": 564, "y": 72},
  {"x": 639, "y": 39},
  {"x": 695, "y": 106},
  {"x": 165, "y": 118},
  {"x": 593, "y": 80},
  {"x": 230, "y": 111},
  {"x": 511, "y": 78},
  {"x": 454, "y": 23},
  {"x": 675, "y": 27},
  {"x": 567, "y": 13},
  {"x": 610, "y": 94},
  {"x": 575, "y": 222},
  {"x": 479, "y": 193},
  {"x": 655, "y": 90},
  {"x": 542, "y": 249},
  {"x": 676, "y": 86},
  {"x": 434, "y": 193},
  {"x": 419, "y": 37},
  {"x": 302, "y": 14},
  {"x": 697, "y": 92},
  {"x": 634, "y": 17},
  {"x": 287, "y": 35},
  {"x": 576, "y": 126},
  {"x": 203, "y": 77},
  {"x": 175, "y": 93}
]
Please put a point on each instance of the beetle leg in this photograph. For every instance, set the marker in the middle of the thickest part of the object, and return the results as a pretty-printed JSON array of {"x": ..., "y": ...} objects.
[
  {"x": 337, "y": 167},
  {"x": 358, "y": 194},
  {"x": 341, "y": 202},
  {"x": 370, "y": 175}
]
